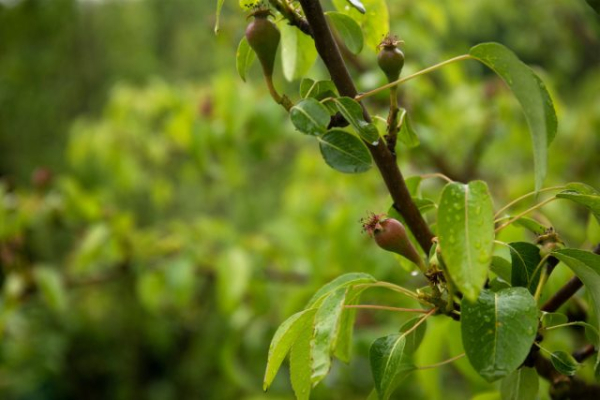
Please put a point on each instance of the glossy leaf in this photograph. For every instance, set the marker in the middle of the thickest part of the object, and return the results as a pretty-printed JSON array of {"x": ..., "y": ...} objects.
[
  {"x": 282, "y": 341},
  {"x": 247, "y": 4},
  {"x": 358, "y": 5},
  {"x": 584, "y": 195},
  {"x": 353, "y": 113},
  {"x": 553, "y": 319},
  {"x": 298, "y": 53},
  {"x": 531, "y": 225},
  {"x": 345, "y": 152},
  {"x": 317, "y": 89},
  {"x": 344, "y": 342},
  {"x": 531, "y": 92},
  {"x": 346, "y": 280},
  {"x": 466, "y": 234},
  {"x": 244, "y": 57},
  {"x": 300, "y": 363},
  {"x": 522, "y": 384},
  {"x": 498, "y": 330},
  {"x": 586, "y": 266},
  {"x": 406, "y": 134},
  {"x": 327, "y": 325},
  {"x": 388, "y": 363},
  {"x": 564, "y": 363},
  {"x": 310, "y": 117},
  {"x": 374, "y": 20},
  {"x": 414, "y": 338},
  {"x": 348, "y": 30},
  {"x": 525, "y": 260}
]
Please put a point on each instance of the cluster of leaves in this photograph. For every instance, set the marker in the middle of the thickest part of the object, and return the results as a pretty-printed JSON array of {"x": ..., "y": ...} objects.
[{"x": 499, "y": 323}]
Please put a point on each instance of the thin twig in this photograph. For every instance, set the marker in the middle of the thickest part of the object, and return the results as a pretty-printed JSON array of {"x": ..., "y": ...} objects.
[
  {"x": 436, "y": 175},
  {"x": 439, "y": 364},
  {"x": 518, "y": 216},
  {"x": 409, "y": 77},
  {"x": 518, "y": 199},
  {"x": 386, "y": 308}
]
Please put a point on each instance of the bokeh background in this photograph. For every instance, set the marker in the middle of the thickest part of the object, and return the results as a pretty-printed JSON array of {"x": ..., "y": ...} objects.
[{"x": 159, "y": 218}]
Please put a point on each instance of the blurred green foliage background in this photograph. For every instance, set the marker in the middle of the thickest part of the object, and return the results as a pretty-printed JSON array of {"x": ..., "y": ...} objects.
[{"x": 159, "y": 217}]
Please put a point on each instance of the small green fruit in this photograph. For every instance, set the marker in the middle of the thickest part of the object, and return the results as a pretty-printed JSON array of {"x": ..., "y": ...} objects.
[
  {"x": 263, "y": 37},
  {"x": 390, "y": 58},
  {"x": 390, "y": 235}
]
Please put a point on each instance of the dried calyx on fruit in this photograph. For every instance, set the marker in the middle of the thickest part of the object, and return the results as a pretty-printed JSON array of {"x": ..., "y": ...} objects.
[
  {"x": 390, "y": 235},
  {"x": 263, "y": 36},
  {"x": 390, "y": 57}
]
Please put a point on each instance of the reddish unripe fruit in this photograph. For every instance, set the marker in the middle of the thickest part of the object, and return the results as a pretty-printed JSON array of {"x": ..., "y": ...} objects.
[
  {"x": 391, "y": 235},
  {"x": 263, "y": 37},
  {"x": 390, "y": 59}
]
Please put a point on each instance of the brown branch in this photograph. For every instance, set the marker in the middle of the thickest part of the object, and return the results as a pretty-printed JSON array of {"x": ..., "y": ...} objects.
[
  {"x": 385, "y": 161},
  {"x": 565, "y": 293},
  {"x": 292, "y": 16},
  {"x": 584, "y": 353}
]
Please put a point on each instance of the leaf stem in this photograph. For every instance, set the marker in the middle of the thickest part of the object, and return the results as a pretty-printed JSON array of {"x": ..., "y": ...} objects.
[
  {"x": 518, "y": 199},
  {"x": 510, "y": 221},
  {"x": 419, "y": 322},
  {"x": 439, "y": 364},
  {"x": 412, "y": 76},
  {"x": 386, "y": 308},
  {"x": 436, "y": 175}
]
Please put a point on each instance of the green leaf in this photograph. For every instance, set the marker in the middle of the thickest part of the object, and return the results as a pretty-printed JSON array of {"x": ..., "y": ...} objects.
[
  {"x": 298, "y": 53},
  {"x": 389, "y": 362},
  {"x": 310, "y": 117},
  {"x": 414, "y": 338},
  {"x": 531, "y": 225},
  {"x": 218, "y": 16},
  {"x": 327, "y": 326},
  {"x": 300, "y": 363},
  {"x": 318, "y": 90},
  {"x": 413, "y": 184},
  {"x": 466, "y": 234},
  {"x": 407, "y": 135},
  {"x": 552, "y": 319},
  {"x": 586, "y": 266},
  {"x": 531, "y": 92},
  {"x": 344, "y": 342},
  {"x": 498, "y": 330},
  {"x": 348, "y": 30},
  {"x": 51, "y": 286},
  {"x": 522, "y": 384},
  {"x": 564, "y": 363},
  {"x": 353, "y": 112},
  {"x": 247, "y": 4},
  {"x": 346, "y": 280},
  {"x": 358, "y": 5},
  {"x": 345, "y": 152},
  {"x": 584, "y": 195},
  {"x": 244, "y": 57},
  {"x": 374, "y": 20},
  {"x": 525, "y": 259},
  {"x": 284, "y": 338}
]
